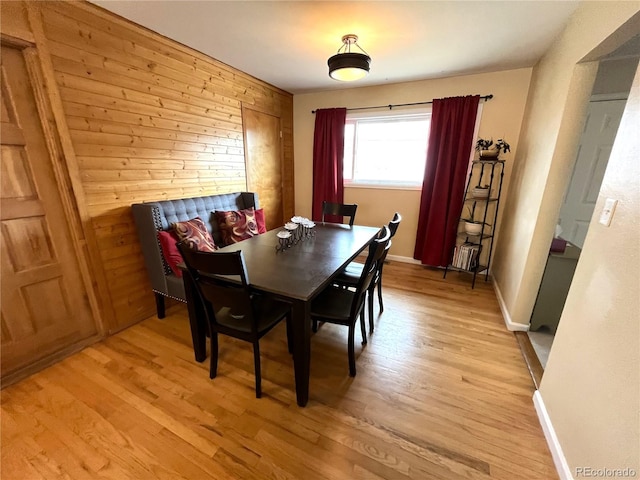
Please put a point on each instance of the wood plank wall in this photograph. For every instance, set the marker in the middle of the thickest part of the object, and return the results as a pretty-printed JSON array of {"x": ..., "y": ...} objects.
[{"x": 149, "y": 119}]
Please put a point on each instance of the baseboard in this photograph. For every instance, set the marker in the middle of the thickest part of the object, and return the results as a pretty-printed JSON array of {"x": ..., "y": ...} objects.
[
  {"x": 47, "y": 361},
  {"x": 394, "y": 258},
  {"x": 398, "y": 258},
  {"x": 564, "y": 472},
  {"x": 511, "y": 325},
  {"x": 530, "y": 358}
]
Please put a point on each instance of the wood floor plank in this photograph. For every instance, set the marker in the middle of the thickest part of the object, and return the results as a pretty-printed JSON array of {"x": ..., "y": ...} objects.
[
  {"x": 16, "y": 459},
  {"x": 441, "y": 393}
]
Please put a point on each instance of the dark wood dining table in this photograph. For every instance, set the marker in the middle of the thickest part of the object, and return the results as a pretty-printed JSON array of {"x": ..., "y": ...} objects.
[{"x": 296, "y": 275}]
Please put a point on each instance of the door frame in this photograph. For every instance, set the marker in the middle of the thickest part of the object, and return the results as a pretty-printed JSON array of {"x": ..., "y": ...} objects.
[
  {"x": 33, "y": 62},
  {"x": 259, "y": 109}
]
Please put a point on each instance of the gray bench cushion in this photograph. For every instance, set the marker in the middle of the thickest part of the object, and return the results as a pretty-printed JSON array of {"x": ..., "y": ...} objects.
[
  {"x": 150, "y": 217},
  {"x": 172, "y": 211}
]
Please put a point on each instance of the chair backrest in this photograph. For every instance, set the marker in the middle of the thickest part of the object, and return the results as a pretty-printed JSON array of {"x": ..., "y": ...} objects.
[
  {"x": 395, "y": 223},
  {"x": 383, "y": 257},
  {"x": 221, "y": 282},
  {"x": 340, "y": 210},
  {"x": 393, "y": 228},
  {"x": 377, "y": 250}
]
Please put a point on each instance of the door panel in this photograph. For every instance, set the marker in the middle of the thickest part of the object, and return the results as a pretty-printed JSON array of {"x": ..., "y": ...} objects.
[
  {"x": 44, "y": 302},
  {"x": 264, "y": 163},
  {"x": 600, "y": 130}
]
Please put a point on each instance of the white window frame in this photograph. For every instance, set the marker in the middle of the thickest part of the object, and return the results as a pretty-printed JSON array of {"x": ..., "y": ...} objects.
[{"x": 353, "y": 117}]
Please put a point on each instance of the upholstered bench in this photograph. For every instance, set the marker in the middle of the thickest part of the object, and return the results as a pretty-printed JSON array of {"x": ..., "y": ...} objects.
[{"x": 153, "y": 217}]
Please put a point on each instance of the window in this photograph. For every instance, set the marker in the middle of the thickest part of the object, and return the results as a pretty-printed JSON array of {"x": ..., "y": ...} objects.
[{"x": 388, "y": 150}]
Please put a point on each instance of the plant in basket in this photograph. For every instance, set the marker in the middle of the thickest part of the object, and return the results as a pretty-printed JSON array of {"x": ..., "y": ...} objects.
[{"x": 490, "y": 150}]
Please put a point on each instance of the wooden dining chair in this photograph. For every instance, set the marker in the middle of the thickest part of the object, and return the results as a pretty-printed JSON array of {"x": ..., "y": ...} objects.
[
  {"x": 352, "y": 272},
  {"x": 340, "y": 210},
  {"x": 230, "y": 306},
  {"x": 344, "y": 306}
]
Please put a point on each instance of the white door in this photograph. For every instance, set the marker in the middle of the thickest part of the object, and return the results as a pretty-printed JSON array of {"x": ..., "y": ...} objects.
[{"x": 603, "y": 119}]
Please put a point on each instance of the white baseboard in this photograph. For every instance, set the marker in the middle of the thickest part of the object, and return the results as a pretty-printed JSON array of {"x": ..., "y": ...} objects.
[
  {"x": 398, "y": 258},
  {"x": 511, "y": 325},
  {"x": 552, "y": 440}
]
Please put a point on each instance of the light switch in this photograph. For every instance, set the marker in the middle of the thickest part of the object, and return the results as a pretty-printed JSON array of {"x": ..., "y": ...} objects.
[{"x": 607, "y": 211}]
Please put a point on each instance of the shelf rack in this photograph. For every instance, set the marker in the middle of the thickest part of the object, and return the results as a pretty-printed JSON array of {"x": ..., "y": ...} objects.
[{"x": 482, "y": 172}]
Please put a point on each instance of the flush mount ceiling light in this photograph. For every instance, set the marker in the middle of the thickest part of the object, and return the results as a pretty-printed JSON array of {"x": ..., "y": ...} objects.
[{"x": 346, "y": 65}]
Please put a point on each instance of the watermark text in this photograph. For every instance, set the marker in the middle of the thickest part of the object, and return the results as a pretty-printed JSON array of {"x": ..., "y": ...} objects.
[{"x": 591, "y": 472}]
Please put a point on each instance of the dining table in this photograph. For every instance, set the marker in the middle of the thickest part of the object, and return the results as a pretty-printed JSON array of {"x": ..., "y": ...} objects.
[{"x": 296, "y": 274}]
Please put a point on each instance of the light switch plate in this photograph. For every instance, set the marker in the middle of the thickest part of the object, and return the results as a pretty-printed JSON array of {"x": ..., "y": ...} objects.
[{"x": 607, "y": 211}]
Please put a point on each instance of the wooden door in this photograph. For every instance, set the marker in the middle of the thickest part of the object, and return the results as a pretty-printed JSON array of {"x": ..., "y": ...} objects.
[
  {"x": 44, "y": 302},
  {"x": 603, "y": 119},
  {"x": 264, "y": 163}
]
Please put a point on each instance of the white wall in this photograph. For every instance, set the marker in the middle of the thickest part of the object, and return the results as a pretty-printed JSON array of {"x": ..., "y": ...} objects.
[
  {"x": 560, "y": 89},
  {"x": 591, "y": 385}
]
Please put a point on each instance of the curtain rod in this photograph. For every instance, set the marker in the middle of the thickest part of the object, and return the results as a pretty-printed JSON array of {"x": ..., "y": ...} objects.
[{"x": 484, "y": 97}]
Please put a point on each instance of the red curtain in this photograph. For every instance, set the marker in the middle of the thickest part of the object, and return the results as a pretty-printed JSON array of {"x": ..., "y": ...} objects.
[
  {"x": 450, "y": 142},
  {"x": 328, "y": 155}
]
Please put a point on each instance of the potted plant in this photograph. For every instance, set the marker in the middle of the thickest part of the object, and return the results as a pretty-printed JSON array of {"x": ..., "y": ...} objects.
[
  {"x": 490, "y": 150},
  {"x": 471, "y": 225}
]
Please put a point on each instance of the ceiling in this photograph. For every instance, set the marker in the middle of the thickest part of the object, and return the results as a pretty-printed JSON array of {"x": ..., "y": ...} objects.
[{"x": 287, "y": 44}]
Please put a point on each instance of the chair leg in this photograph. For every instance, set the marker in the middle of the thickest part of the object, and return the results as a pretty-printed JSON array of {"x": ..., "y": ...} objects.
[
  {"x": 256, "y": 363},
  {"x": 160, "y": 305},
  {"x": 363, "y": 328},
  {"x": 370, "y": 295},
  {"x": 289, "y": 333},
  {"x": 314, "y": 326},
  {"x": 213, "y": 361},
  {"x": 380, "y": 294},
  {"x": 352, "y": 355}
]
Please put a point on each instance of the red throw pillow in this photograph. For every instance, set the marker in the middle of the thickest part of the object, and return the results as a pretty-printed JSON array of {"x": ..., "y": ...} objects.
[
  {"x": 236, "y": 226},
  {"x": 262, "y": 228},
  {"x": 170, "y": 252},
  {"x": 195, "y": 235}
]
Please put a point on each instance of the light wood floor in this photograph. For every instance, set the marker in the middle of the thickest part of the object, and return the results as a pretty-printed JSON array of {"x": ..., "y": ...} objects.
[{"x": 442, "y": 392}]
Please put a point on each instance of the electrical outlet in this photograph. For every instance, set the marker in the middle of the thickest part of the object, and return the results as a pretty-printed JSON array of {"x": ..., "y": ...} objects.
[{"x": 607, "y": 211}]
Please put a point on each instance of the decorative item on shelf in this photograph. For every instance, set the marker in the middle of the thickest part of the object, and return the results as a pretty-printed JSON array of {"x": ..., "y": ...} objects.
[
  {"x": 489, "y": 150},
  {"x": 471, "y": 225},
  {"x": 481, "y": 191},
  {"x": 465, "y": 256},
  {"x": 472, "y": 228},
  {"x": 346, "y": 65}
]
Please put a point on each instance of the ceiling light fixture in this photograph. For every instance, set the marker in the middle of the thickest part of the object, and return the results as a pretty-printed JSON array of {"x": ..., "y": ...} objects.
[{"x": 346, "y": 65}]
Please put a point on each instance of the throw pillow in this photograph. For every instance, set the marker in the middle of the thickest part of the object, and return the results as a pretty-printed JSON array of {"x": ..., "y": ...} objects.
[
  {"x": 262, "y": 228},
  {"x": 194, "y": 233},
  {"x": 170, "y": 252},
  {"x": 237, "y": 225}
]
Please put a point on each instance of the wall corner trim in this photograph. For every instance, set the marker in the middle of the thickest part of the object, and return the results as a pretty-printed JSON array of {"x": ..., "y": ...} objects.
[
  {"x": 511, "y": 325},
  {"x": 564, "y": 472}
]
